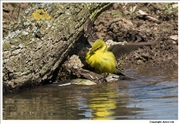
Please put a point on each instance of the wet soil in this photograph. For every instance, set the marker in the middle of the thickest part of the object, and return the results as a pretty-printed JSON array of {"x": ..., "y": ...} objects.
[{"x": 126, "y": 22}]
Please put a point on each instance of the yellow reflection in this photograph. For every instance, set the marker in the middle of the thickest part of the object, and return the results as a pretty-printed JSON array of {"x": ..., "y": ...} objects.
[{"x": 103, "y": 106}]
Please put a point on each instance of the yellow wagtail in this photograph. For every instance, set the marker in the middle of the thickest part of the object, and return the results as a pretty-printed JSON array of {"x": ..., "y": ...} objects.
[{"x": 101, "y": 58}]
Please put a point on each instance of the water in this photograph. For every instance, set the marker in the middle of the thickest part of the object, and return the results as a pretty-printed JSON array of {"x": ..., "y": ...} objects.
[{"x": 153, "y": 94}]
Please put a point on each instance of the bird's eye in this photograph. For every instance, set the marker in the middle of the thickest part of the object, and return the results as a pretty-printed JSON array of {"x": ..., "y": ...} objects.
[{"x": 97, "y": 48}]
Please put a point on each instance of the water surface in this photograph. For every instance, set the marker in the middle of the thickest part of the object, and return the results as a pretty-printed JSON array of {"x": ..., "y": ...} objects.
[{"x": 152, "y": 94}]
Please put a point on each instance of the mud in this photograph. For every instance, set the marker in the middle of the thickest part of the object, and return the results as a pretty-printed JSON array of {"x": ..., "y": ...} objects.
[{"x": 124, "y": 22}]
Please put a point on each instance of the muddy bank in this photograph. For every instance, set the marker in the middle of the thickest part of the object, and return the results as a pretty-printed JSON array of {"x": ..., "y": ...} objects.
[{"x": 126, "y": 22}]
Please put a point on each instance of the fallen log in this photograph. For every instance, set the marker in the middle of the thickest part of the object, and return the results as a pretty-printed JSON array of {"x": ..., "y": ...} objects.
[{"x": 45, "y": 34}]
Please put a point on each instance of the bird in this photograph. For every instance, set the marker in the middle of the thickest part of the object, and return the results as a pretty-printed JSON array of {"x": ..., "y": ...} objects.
[{"x": 100, "y": 57}]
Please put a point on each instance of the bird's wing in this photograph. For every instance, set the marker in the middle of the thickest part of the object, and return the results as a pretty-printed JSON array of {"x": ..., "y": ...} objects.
[
  {"x": 120, "y": 50},
  {"x": 89, "y": 31}
]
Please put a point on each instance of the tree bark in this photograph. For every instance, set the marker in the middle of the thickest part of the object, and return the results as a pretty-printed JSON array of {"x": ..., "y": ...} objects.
[{"x": 36, "y": 48}]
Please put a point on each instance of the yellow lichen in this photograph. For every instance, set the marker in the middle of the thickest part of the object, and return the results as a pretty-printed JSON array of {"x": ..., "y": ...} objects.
[{"x": 41, "y": 14}]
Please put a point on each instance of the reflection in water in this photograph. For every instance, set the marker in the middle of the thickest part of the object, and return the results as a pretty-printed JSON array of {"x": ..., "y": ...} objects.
[
  {"x": 149, "y": 96},
  {"x": 102, "y": 101},
  {"x": 102, "y": 108}
]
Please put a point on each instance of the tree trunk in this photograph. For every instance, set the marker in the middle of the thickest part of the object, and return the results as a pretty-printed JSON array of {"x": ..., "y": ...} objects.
[{"x": 40, "y": 43}]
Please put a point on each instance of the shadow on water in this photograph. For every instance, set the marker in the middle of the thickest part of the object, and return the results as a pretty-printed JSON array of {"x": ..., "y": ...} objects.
[{"x": 153, "y": 94}]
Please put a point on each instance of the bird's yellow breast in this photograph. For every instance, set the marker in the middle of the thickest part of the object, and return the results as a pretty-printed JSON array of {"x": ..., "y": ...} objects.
[{"x": 102, "y": 61}]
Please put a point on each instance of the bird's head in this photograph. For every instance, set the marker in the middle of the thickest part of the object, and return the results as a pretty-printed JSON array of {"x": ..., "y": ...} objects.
[{"x": 98, "y": 45}]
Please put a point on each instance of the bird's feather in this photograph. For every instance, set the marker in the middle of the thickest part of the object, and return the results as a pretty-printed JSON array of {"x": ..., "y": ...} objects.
[
  {"x": 89, "y": 31},
  {"x": 120, "y": 50}
]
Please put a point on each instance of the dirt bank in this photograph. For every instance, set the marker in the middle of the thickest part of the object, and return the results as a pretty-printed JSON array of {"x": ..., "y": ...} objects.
[{"x": 142, "y": 22}]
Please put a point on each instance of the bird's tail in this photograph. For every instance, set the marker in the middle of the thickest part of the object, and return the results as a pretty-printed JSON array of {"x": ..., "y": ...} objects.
[{"x": 122, "y": 76}]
